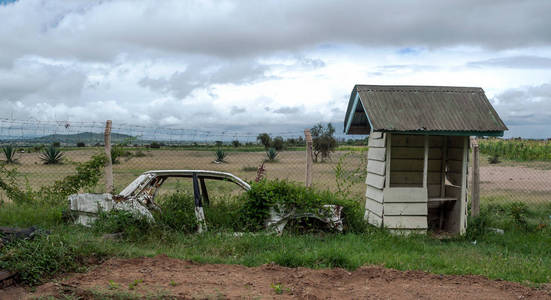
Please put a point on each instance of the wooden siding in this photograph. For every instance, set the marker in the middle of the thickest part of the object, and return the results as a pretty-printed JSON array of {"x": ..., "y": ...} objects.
[{"x": 376, "y": 177}]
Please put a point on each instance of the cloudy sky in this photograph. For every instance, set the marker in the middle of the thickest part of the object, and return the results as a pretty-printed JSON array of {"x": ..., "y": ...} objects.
[{"x": 273, "y": 66}]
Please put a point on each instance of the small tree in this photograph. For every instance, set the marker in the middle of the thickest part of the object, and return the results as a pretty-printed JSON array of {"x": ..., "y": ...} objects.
[
  {"x": 323, "y": 141},
  {"x": 236, "y": 143},
  {"x": 278, "y": 143},
  {"x": 264, "y": 139}
]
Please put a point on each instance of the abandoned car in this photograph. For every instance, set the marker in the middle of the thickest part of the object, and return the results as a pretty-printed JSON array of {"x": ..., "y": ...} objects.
[{"x": 138, "y": 197}]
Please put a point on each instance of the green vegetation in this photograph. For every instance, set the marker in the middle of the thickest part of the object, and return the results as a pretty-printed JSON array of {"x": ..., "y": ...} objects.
[
  {"x": 51, "y": 155},
  {"x": 9, "y": 153},
  {"x": 323, "y": 141},
  {"x": 271, "y": 153},
  {"x": 517, "y": 150},
  {"x": 220, "y": 155}
]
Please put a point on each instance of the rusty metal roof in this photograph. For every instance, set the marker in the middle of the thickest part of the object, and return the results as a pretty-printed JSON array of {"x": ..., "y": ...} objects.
[{"x": 420, "y": 109}]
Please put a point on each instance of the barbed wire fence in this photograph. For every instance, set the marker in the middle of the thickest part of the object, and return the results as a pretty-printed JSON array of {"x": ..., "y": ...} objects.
[{"x": 139, "y": 148}]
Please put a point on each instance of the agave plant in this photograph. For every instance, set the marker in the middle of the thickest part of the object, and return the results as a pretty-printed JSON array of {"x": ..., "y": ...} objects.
[
  {"x": 9, "y": 153},
  {"x": 272, "y": 154},
  {"x": 220, "y": 155},
  {"x": 51, "y": 155}
]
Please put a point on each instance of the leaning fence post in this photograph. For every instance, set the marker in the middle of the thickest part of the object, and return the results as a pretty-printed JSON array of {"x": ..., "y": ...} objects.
[
  {"x": 109, "y": 164},
  {"x": 309, "y": 161},
  {"x": 475, "y": 192}
]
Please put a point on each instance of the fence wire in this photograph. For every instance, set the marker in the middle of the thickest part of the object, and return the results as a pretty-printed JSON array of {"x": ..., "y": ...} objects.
[{"x": 510, "y": 171}]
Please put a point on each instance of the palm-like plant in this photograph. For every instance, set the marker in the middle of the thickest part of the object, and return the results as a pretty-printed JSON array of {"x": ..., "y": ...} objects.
[
  {"x": 220, "y": 155},
  {"x": 9, "y": 153},
  {"x": 272, "y": 154},
  {"x": 51, "y": 155}
]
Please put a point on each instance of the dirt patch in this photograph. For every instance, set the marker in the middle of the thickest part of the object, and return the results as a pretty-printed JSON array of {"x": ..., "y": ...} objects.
[{"x": 173, "y": 278}]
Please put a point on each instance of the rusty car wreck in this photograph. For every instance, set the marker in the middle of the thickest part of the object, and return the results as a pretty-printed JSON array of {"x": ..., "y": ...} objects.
[{"x": 139, "y": 198}]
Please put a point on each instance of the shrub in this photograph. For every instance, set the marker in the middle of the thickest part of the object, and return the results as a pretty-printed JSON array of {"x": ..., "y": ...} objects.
[
  {"x": 155, "y": 145},
  {"x": 266, "y": 194},
  {"x": 271, "y": 154},
  {"x": 81, "y": 144},
  {"x": 177, "y": 212},
  {"x": 236, "y": 143},
  {"x": 119, "y": 221},
  {"x": 9, "y": 153},
  {"x": 51, "y": 155},
  {"x": 220, "y": 155},
  {"x": 56, "y": 144}
]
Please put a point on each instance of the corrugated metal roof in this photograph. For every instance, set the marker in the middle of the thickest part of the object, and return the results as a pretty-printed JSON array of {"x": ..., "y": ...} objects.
[{"x": 422, "y": 108}]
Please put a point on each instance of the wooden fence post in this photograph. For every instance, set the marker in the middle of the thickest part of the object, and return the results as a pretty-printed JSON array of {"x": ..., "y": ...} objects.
[
  {"x": 475, "y": 192},
  {"x": 309, "y": 159},
  {"x": 109, "y": 164}
]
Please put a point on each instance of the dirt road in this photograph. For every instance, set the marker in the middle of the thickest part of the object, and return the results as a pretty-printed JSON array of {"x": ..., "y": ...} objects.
[{"x": 173, "y": 278}]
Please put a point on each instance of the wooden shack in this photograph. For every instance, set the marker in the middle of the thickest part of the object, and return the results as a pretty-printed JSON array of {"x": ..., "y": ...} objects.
[{"x": 418, "y": 152}]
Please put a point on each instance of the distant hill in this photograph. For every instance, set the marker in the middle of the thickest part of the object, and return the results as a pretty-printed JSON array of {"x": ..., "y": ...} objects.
[{"x": 85, "y": 137}]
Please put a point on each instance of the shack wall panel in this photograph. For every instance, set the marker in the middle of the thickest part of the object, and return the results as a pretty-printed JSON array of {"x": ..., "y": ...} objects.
[
  {"x": 376, "y": 154},
  {"x": 405, "y": 194},
  {"x": 373, "y": 219},
  {"x": 377, "y": 143},
  {"x": 405, "y": 222},
  {"x": 405, "y": 209},
  {"x": 377, "y": 167},
  {"x": 375, "y": 180},
  {"x": 374, "y": 193},
  {"x": 374, "y": 207}
]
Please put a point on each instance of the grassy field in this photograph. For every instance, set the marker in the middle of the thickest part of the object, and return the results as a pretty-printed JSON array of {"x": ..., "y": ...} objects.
[{"x": 521, "y": 254}]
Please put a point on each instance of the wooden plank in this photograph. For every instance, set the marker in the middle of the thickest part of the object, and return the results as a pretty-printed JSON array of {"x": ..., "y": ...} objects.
[
  {"x": 456, "y": 141},
  {"x": 455, "y": 166},
  {"x": 374, "y": 194},
  {"x": 405, "y": 209},
  {"x": 463, "y": 198},
  {"x": 389, "y": 158},
  {"x": 426, "y": 162},
  {"x": 405, "y": 222},
  {"x": 404, "y": 140},
  {"x": 475, "y": 196},
  {"x": 413, "y": 177},
  {"x": 373, "y": 219},
  {"x": 376, "y": 143},
  {"x": 455, "y": 153},
  {"x": 377, "y": 167},
  {"x": 434, "y": 190},
  {"x": 375, "y": 180},
  {"x": 376, "y": 135},
  {"x": 309, "y": 157},
  {"x": 108, "y": 170},
  {"x": 374, "y": 207},
  {"x": 405, "y": 194},
  {"x": 418, "y": 153},
  {"x": 376, "y": 154},
  {"x": 404, "y": 164},
  {"x": 443, "y": 168}
]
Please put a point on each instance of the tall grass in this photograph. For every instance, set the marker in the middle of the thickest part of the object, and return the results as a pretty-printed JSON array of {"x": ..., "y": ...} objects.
[{"x": 517, "y": 150}]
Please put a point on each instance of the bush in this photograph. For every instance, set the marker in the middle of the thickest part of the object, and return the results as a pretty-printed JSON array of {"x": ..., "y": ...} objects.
[
  {"x": 278, "y": 143},
  {"x": 81, "y": 144},
  {"x": 51, "y": 155},
  {"x": 493, "y": 159},
  {"x": 177, "y": 212},
  {"x": 9, "y": 153},
  {"x": 266, "y": 194},
  {"x": 236, "y": 143},
  {"x": 119, "y": 221},
  {"x": 155, "y": 145}
]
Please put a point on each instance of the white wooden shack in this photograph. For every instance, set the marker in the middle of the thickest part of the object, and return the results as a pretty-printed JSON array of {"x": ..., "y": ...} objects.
[{"x": 418, "y": 152}]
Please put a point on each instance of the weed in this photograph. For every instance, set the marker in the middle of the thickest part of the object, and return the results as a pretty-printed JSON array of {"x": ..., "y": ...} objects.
[
  {"x": 112, "y": 285},
  {"x": 173, "y": 283},
  {"x": 51, "y": 155},
  {"x": 249, "y": 169},
  {"x": 278, "y": 288},
  {"x": 134, "y": 284}
]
